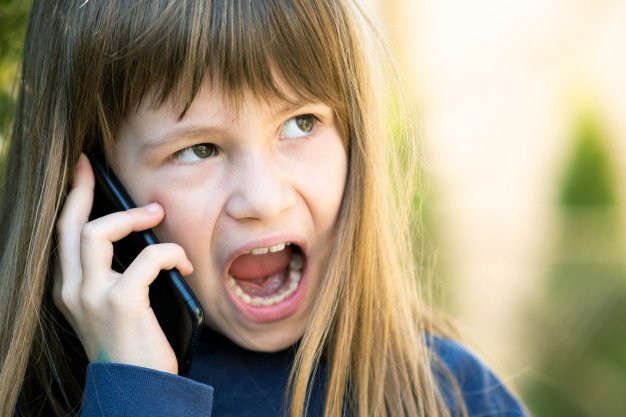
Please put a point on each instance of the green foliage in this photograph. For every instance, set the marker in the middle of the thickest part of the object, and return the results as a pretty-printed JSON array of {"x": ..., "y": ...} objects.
[
  {"x": 579, "y": 332},
  {"x": 589, "y": 178},
  {"x": 13, "y": 16}
]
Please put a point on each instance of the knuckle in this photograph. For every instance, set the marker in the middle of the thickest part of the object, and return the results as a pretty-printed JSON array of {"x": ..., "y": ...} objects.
[
  {"x": 174, "y": 249},
  {"x": 169, "y": 254},
  {"x": 163, "y": 252},
  {"x": 63, "y": 296},
  {"x": 116, "y": 299},
  {"x": 152, "y": 253},
  {"x": 90, "y": 232},
  {"x": 66, "y": 297},
  {"x": 59, "y": 297},
  {"x": 89, "y": 302}
]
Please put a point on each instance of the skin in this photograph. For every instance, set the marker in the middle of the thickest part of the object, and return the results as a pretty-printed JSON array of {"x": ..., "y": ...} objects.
[{"x": 267, "y": 180}]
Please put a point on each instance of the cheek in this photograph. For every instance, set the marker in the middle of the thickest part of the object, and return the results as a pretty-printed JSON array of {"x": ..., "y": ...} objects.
[
  {"x": 188, "y": 220},
  {"x": 327, "y": 186},
  {"x": 322, "y": 186}
]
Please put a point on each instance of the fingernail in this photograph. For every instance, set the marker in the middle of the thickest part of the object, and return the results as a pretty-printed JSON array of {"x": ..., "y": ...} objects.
[{"x": 154, "y": 207}]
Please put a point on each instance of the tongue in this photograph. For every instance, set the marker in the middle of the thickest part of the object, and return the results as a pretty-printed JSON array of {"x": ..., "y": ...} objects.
[{"x": 259, "y": 266}]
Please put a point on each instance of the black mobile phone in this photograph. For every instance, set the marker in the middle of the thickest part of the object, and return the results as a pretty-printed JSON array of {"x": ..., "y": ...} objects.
[{"x": 175, "y": 306}]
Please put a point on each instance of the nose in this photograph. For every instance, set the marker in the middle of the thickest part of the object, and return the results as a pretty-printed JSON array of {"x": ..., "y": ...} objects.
[{"x": 262, "y": 189}]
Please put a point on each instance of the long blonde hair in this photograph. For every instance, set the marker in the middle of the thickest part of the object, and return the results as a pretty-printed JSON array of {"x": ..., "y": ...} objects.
[{"x": 87, "y": 65}]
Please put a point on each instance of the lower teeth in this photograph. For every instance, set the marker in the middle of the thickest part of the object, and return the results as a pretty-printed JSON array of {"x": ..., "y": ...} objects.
[{"x": 295, "y": 274}]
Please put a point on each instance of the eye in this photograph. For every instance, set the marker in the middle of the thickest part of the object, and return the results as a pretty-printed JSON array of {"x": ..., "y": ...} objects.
[
  {"x": 196, "y": 152},
  {"x": 298, "y": 126}
]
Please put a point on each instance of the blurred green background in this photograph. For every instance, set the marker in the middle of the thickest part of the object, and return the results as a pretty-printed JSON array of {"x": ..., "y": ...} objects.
[
  {"x": 520, "y": 110},
  {"x": 13, "y": 15}
]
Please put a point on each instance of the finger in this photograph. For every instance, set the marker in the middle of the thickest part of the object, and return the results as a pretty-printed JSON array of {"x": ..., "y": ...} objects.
[
  {"x": 96, "y": 237},
  {"x": 74, "y": 215},
  {"x": 59, "y": 294},
  {"x": 78, "y": 203},
  {"x": 150, "y": 261}
]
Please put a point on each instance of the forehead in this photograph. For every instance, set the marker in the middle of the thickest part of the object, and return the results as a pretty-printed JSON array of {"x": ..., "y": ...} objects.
[{"x": 212, "y": 100}]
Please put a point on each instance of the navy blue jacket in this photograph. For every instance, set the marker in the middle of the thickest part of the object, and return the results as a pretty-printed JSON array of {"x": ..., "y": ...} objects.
[{"x": 228, "y": 380}]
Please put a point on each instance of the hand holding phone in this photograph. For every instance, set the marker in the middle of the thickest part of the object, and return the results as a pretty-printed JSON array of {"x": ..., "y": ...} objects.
[
  {"x": 102, "y": 287},
  {"x": 177, "y": 309}
]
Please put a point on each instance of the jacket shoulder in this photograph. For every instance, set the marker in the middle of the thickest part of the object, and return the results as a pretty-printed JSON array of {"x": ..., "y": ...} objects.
[{"x": 461, "y": 373}]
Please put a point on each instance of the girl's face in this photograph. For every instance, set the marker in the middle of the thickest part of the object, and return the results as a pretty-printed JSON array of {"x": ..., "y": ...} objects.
[{"x": 253, "y": 198}]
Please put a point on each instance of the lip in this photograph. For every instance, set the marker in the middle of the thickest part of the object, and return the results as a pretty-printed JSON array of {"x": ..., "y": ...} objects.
[{"x": 287, "y": 307}]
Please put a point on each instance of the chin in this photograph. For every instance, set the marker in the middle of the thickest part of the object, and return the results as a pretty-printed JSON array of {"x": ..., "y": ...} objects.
[{"x": 268, "y": 340}]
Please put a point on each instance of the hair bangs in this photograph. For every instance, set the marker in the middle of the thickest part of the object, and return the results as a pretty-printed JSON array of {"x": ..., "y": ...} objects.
[{"x": 276, "y": 50}]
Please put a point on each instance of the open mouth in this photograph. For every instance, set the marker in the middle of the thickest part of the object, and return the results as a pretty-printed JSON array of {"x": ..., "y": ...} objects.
[{"x": 266, "y": 276}]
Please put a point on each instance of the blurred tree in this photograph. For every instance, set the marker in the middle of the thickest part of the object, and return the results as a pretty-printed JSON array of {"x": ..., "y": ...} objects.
[
  {"x": 581, "y": 335},
  {"x": 590, "y": 181},
  {"x": 13, "y": 15}
]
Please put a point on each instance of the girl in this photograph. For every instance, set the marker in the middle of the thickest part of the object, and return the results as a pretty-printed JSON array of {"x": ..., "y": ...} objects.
[{"x": 251, "y": 135}]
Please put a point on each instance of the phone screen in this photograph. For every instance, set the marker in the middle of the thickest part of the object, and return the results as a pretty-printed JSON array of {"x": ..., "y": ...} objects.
[{"x": 175, "y": 306}]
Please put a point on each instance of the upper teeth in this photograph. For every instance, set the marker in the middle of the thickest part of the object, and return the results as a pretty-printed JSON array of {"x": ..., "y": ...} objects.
[{"x": 275, "y": 248}]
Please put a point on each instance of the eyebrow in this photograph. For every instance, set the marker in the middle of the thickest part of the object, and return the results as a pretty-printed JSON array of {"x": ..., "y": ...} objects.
[
  {"x": 197, "y": 132},
  {"x": 288, "y": 108},
  {"x": 190, "y": 132}
]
